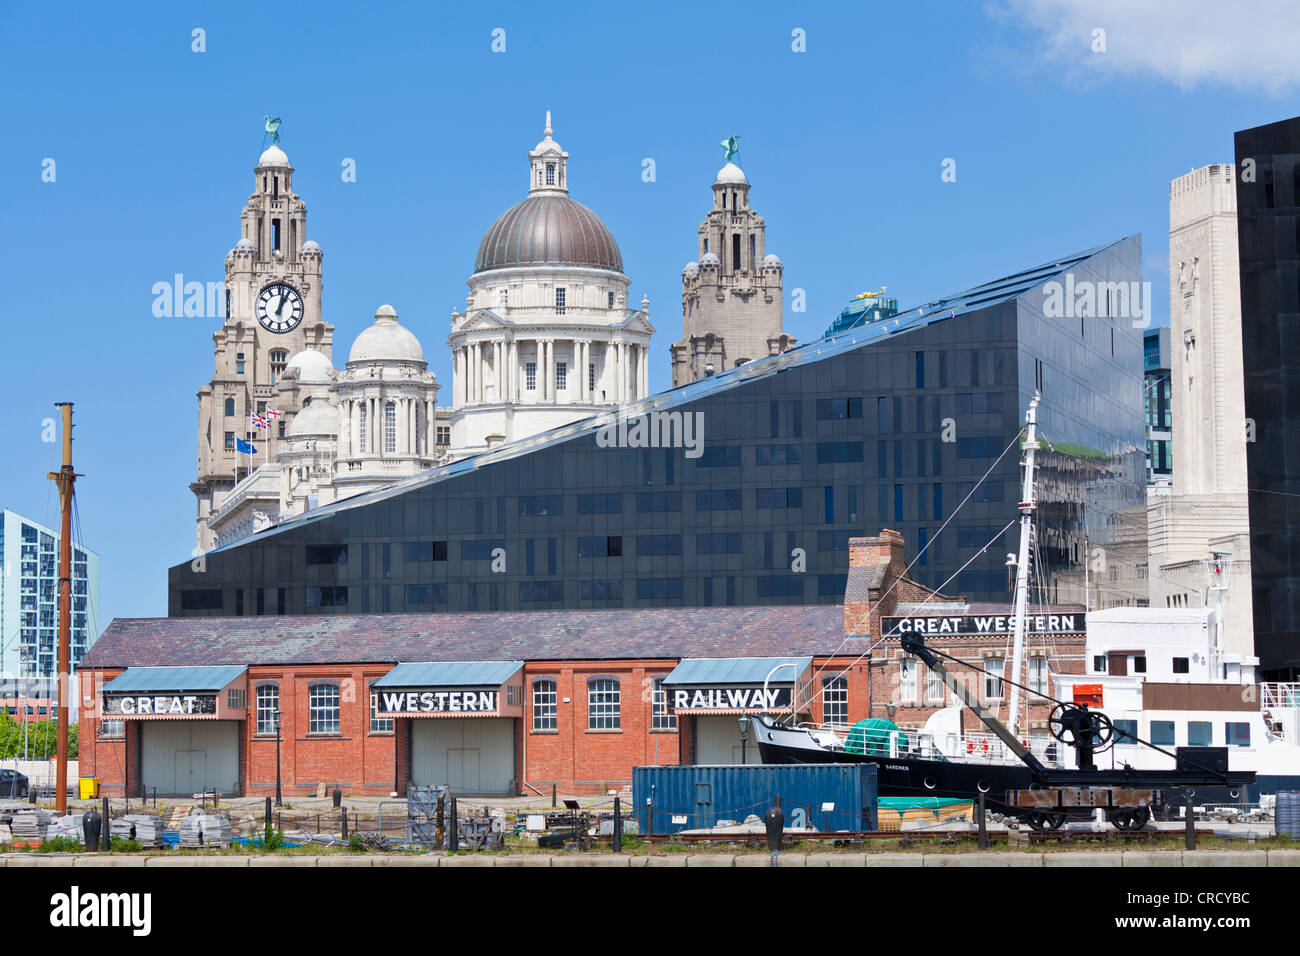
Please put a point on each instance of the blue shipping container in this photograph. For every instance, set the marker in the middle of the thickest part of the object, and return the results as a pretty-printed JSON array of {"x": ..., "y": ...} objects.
[{"x": 823, "y": 796}]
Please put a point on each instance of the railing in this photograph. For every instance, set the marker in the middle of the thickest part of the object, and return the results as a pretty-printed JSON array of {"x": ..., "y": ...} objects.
[
  {"x": 1279, "y": 695},
  {"x": 916, "y": 743}
]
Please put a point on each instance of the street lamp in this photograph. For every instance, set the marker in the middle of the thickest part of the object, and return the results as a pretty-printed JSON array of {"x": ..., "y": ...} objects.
[
  {"x": 743, "y": 722},
  {"x": 278, "y": 801}
]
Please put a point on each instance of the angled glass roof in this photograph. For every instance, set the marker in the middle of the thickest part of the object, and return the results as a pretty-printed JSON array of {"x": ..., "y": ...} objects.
[{"x": 978, "y": 297}]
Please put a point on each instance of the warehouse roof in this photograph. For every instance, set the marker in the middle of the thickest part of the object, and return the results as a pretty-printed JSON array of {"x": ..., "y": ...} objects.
[
  {"x": 515, "y": 635},
  {"x": 175, "y": 678},
  {"x": 450, "y": 674},
  {"x": 699, "y": 672}
]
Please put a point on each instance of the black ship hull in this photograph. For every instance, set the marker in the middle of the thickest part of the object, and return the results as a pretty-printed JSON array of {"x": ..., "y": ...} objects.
[{"x": 901, "y": 776}]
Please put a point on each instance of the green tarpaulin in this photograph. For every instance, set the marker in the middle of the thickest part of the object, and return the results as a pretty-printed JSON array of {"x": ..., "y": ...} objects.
[{"x": 873, "y": 735}]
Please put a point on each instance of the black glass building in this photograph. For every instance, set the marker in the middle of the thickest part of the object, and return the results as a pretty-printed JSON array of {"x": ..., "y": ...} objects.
[
  {"x": 1268, "y": 240},
  {"x": 909, "y": 421}
]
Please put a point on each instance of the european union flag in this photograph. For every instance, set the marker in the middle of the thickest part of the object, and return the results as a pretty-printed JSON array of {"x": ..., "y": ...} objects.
[{"x": 248, "y": 448}]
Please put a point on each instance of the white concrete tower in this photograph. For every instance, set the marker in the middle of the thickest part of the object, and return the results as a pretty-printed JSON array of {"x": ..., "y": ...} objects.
[
  {"x": 731, "y": 296},
  {"x": 1207, "y": 508},
  {"x": 547, "y": 336}
]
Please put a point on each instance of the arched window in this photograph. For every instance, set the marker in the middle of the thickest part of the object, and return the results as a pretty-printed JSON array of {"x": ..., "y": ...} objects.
[
  {"x": 362, "y": 439},
  {"x": 603, "y": 704},
  {"x": 544, "y": 701},
  {"x": 323, "y": 708},
  {"x": 268, "y": 708},
  {"x": 390, "y": 427},
  {"x": 550, "y": 174},
  {"x": 230, "y": 408},
  {"x": 835, "y": 700}
]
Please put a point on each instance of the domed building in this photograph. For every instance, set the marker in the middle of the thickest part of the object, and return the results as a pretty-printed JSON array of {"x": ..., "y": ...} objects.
[
  {"x": 386, "y": 409},
  {"x": 547, "y": 336},
  {"x": 307, "y": 451},
  {"x": 731, "y": 294}
]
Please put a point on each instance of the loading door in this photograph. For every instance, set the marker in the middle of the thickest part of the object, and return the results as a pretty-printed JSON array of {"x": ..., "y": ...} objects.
[
  {"x": 717, "y": 741},
  {"x": 183, "y": 757},
  {"x": 472, "y": 755}
]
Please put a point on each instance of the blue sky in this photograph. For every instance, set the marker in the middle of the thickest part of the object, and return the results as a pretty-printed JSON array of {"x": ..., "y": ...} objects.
[{"x": 1057, "y": 147}]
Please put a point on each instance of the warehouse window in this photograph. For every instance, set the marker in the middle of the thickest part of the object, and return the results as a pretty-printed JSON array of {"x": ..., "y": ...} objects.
[
  {"x": 544, "y": 709},
  {"x": 835, "y": 700},
  {"x": 934, "y": 688},
  {"x": 603, "y": 704},
  {"x": 1038, "y": 675},
  {"x": 378, "y": 724},
  {"x": 323, "y": 709},
  {"x": 661, "y": 718},
  {"x": 110, "y": 729},
  {"x": 993, "y": 678},
  {"x": 268, "y": 702},
  {"x": 907, "y": 682}
]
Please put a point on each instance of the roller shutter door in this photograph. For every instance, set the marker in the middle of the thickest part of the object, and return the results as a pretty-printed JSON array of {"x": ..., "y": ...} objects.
[
  {"x": 183, "y": 757},
  {"x": 717, "y": 741},
  {"x": 472, "y": 755}
]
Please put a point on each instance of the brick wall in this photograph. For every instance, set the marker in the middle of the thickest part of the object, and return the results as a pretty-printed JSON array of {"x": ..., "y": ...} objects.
[{"x": 578, "y": 759}]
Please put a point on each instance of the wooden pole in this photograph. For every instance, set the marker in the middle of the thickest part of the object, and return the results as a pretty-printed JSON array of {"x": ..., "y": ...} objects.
[{"x": 65, "y": 478}]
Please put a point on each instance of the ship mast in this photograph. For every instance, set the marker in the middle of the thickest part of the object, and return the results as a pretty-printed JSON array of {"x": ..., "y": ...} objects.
[
  {"x": 1027, "y": 506},
  {"x": 65, "y": 478}
]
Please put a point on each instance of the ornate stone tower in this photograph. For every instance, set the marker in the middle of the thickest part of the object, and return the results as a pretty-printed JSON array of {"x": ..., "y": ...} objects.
[
  {"x": 731, "y": 297},
  {"x": 273, "y": 311}
]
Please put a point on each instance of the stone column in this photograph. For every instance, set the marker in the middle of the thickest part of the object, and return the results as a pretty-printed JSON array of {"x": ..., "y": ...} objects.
[
  {"x": 544, "y": 368},
  {"x": 511, "y": 372},
  {"x": 457, "y": 376},
  {"x": 475, "y": 366},
  {"x": 580, "y": 368}
]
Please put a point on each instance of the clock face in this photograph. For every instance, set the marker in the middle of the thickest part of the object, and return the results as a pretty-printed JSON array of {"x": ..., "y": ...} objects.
[{"x": 279, "y": 308}]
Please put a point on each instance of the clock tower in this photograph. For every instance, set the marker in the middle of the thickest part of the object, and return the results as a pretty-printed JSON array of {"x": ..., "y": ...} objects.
[{"x": 272, "y": 312}]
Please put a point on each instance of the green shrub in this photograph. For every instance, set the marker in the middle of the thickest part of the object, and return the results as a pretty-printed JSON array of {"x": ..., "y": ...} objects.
[
  {"x": 274, "y": 839},
  {"x": 60, "y": 845},
  {"x": 117, "y": 844}
]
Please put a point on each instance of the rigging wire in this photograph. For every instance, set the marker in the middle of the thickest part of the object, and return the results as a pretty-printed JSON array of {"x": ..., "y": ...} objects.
[{"x": 907, "y": 570}]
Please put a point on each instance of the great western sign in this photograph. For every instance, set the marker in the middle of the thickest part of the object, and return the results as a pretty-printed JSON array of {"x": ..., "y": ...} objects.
[
  {"x": 160, "y": 705},
  {"x": 437, "y": 701},
  {"x": 981, "y": 624},
  {"x": 728, "y": 698}
]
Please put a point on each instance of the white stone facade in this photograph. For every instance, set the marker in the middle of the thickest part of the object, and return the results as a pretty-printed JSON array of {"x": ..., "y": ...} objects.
[
  {"x": 386, "y": 399},
  {"x": 546, "y": 337},
  {"x": 1207, "y": 508}
]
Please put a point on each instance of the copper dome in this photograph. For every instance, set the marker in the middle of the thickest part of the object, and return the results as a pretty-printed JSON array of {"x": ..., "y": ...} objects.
[{"x": 551, "y": 230}]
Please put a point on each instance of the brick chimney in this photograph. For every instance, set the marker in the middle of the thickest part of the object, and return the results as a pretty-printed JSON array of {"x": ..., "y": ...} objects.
[{"x": 874, "y": 565}]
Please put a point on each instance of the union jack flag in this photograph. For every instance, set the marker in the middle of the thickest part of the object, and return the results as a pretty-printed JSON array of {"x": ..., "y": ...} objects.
[{"x": 260, "y": 422}]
